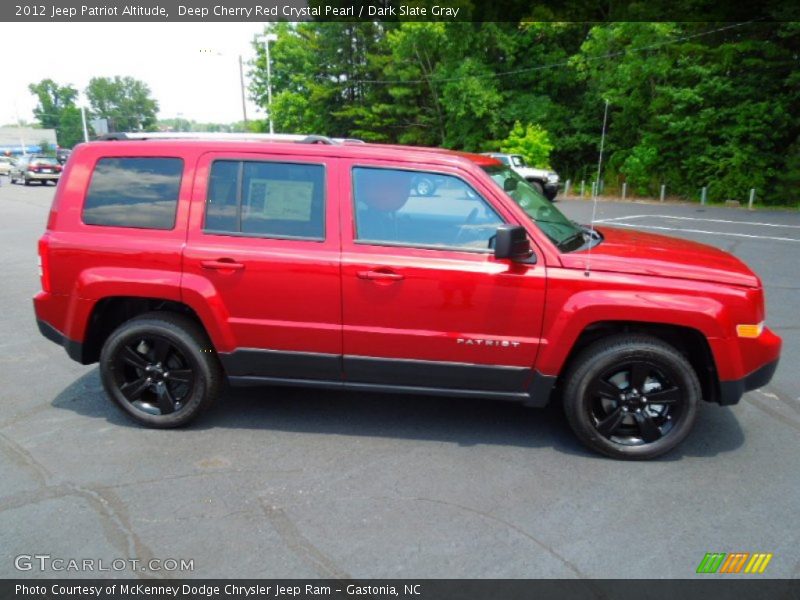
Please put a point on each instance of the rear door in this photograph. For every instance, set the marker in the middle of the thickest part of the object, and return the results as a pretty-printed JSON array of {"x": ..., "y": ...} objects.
[{"x": 263, "y": 251}]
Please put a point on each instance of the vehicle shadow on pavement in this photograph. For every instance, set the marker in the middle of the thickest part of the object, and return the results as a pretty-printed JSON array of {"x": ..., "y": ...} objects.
[{"x": 462, "y": 421}]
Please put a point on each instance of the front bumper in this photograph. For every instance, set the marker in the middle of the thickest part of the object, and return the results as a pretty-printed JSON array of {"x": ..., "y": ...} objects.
[{"x": 730, "y": 392}]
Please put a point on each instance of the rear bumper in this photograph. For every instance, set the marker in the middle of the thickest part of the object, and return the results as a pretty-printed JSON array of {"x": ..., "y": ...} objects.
[
  {"x": 730, "y": 392},
  {"x": 42, "y": 176},
  {"x": 74, "y": 349}
]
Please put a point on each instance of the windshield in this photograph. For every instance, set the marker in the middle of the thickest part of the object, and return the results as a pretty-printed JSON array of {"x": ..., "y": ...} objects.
[{"x": 564, "y": 233}]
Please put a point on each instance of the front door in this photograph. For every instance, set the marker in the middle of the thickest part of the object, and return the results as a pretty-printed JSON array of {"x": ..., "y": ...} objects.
[
  {"x": 264, "y": 251},
  {"x": 425, "y": 303}
]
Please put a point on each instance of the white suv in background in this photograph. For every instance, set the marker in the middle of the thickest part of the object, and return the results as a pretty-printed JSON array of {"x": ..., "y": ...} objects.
[{"x": 543, "y": 180}]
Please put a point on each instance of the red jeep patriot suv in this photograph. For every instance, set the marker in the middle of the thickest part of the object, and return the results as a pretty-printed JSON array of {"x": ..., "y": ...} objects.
[{"x": 177, "y": 262}]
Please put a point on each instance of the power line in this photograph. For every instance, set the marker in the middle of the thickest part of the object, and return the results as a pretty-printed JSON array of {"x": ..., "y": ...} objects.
[{"x": 563, "y": 63}]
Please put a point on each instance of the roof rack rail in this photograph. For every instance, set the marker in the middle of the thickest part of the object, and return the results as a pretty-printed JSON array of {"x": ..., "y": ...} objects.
[{"x": 264, "y": 137}]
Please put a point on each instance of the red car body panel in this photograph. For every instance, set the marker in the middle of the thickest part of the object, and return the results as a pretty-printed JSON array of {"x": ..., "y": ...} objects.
[{"x": 450, "y": 307}]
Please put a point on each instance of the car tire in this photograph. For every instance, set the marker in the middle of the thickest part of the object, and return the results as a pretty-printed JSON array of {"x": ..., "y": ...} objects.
[
  {"x": 424, "y": 187},
  {"x": 631, "y": 397},
  {"x": 27, "y": 181},
  {"x": 160, "y": 369},
  {"x": 537, "y": 186}
]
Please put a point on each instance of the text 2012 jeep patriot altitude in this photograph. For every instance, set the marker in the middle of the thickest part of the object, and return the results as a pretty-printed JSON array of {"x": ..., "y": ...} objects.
[{"x": 177, "y": 262}]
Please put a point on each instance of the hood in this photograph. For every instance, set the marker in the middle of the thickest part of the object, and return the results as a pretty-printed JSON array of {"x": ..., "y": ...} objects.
[
  {"x": 532, "y": 172},
  {"x": 640, "y": 253}
]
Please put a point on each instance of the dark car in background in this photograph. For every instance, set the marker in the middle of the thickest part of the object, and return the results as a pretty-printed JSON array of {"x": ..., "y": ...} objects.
[{"x": 62, "y": 154}]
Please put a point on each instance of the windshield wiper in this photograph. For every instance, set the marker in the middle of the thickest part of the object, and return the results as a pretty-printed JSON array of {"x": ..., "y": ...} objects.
[{"x": 565, "y": 243}]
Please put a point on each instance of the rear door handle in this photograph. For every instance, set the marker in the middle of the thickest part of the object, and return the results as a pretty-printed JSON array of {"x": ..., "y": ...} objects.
[
  {"x": 223, "y": 264},
  {"x": 380, "y": 275}
]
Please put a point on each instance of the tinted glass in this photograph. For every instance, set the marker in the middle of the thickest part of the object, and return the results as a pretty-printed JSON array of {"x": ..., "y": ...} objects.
[
  {"x": 390, "y": 209},
  {"x": 45, "y": 161},
  {"x": 266, "y": 199},
  {"x": 134, "y": 192},
  {"x": 563, "y": 232}
]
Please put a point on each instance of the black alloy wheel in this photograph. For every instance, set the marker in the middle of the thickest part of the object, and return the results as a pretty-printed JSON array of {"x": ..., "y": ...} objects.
[
  {"x": 153, "y": 375},
  {"x": 161, "y": 369},
  {"x": 634, "y": 403},
  {"x": 631, "y": 396}
]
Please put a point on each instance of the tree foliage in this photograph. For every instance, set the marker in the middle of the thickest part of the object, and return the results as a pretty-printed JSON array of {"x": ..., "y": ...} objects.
[
  {"x": 56, "y": 110},
  {"x": 691, "y": 104},
  {"x": 532, "y": 141},
  {"x": 124, "y": 101}
]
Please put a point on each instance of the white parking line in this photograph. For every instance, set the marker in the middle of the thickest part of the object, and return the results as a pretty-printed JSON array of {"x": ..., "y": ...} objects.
[
  {"x": 612, "y": 219},
  {"x": 744, "y": 235}
]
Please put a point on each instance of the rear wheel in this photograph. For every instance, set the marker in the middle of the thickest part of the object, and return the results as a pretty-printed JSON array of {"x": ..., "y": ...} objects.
[
  {"x": 27, "y": 181},
  {"x": 631, "y": 397},
  {"x": 160, "y": 369}
]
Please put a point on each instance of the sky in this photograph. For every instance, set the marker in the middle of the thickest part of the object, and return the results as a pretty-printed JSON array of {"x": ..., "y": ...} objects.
[{"x": 178, "y": 61}]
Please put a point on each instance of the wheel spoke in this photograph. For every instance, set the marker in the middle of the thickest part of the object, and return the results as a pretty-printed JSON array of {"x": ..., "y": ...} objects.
[
  {"x": 638, "y": 375},
  {"x": 166, "y": 402},
  {"x": 608, "y": 425},
  {"x": 132, "y": 390},
  {"x": 668, "y": 396},
  {"x": 181, "y": 375},
  {"x": 606, "y": 389},
  {"x": 133, "y": 358},
  {"x": 648, "y": 429},
  {"x": 161, "y": 350}
]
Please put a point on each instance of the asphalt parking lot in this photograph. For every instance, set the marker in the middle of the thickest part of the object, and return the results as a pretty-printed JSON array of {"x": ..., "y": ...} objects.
[{"x": 278, "y": 482}]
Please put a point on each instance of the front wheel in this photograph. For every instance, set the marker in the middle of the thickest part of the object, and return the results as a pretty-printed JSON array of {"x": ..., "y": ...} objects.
[
  {"x": 424, "y": 187},
  {"x": 631, "y": 397},
  {"x": 160, "y": 369}
]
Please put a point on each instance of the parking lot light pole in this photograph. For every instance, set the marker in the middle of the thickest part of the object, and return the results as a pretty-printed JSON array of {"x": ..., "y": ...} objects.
[
  {"x": 270, "y": 37},
  {"x": 83, "y": 121}
]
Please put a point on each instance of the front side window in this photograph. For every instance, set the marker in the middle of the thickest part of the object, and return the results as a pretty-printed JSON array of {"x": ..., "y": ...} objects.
[
  {"x": 518, "y": 161},
  {"x": 134, "y": 192},
  {"x": 428, "y": 210},
  {"x": 266, "y": 199}
]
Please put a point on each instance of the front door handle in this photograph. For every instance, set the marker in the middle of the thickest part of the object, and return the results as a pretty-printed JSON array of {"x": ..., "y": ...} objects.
[
  {"x": 223, "y": 264},
  {"x": 380, "y": 275}
]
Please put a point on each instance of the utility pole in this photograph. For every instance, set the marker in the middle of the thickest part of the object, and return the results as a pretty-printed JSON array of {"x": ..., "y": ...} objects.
[
  {"x": 270, "y": 37},
  {"x": 241, "y": 82},
  {"x": 19, "y": 130}
]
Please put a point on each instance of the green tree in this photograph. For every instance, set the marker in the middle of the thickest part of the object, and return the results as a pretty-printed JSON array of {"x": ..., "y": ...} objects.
[
  {"x": 124, "y": 101},
  {"x": 532, "y": 141},
  {"x": 56, "y": 110}
]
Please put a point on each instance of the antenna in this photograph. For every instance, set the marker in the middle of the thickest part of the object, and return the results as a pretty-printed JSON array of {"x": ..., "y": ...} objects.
[{"x": 587, "y": 272}]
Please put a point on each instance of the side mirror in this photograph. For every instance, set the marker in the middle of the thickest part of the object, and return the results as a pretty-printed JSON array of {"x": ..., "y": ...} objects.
[
  {"x": 509, "y": 184},
  {"x": 511, "y": 242}
]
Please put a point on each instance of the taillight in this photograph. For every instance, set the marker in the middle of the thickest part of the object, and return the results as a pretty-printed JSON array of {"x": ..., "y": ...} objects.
[
  {"x": 33, "y": 168},
  {"x": 44, "y": 269}
]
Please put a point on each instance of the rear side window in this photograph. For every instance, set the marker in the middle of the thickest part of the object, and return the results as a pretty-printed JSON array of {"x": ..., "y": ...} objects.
[
  {"x": 266, "y": 199},
  {"x": 134, "y": 192}
]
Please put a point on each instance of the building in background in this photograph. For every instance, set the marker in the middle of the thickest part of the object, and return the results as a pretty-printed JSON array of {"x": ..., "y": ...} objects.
[{"x": 26, "y": 140}]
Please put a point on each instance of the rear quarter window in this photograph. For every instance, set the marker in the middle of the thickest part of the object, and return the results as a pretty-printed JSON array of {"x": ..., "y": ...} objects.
[{"x": 134, "y": 192}]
